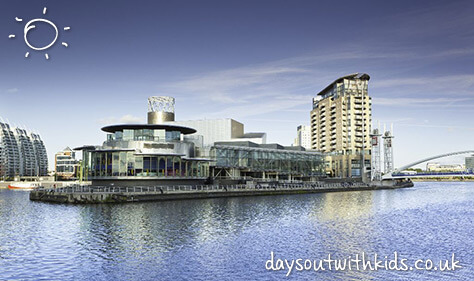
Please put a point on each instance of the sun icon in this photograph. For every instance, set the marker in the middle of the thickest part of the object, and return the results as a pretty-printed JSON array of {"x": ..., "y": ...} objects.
[{"x": 29, "y": 26}]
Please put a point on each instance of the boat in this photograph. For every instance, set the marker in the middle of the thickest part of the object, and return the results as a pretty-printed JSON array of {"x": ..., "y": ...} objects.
[{"x": 24, "y": 186}]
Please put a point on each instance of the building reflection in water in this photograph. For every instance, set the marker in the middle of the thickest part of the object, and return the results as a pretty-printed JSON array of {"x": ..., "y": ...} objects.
[
  {"x": 231, "y": 238},
  {"x": 346, "y": 228},
  {"x": 148, "y": 233},
  {"x": 346, "y": 205}
]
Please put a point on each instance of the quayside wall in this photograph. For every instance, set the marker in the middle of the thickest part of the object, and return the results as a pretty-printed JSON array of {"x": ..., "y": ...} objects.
[{"x": 113, "y": 194}]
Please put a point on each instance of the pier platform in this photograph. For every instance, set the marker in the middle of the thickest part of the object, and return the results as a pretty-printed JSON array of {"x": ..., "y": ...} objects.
[{"x": 113, "y": 194}]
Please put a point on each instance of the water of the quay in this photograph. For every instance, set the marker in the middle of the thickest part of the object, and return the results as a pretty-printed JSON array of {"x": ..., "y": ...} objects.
[{"x": 232, "y": 238}]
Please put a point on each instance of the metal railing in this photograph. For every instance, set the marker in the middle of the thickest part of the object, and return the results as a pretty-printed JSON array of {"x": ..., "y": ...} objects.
[{"x": 199, "y": 188}]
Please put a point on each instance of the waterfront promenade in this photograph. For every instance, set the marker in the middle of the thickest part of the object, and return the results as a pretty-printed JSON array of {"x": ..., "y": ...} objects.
[
  {"x": 77, "y": 194},
  {"x": 47, "y": 184}
]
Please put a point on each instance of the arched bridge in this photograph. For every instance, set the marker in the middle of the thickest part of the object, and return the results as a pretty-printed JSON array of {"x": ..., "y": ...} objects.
[{"x": 393, "y": 174}]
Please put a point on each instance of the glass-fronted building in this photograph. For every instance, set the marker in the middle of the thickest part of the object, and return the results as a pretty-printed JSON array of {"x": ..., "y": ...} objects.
[
  {"x": 22, "y": 153},
  {"x": 165, "y": 152},
  {"x": 248, "y": 160},
  {"x": 147, "y": 154}
]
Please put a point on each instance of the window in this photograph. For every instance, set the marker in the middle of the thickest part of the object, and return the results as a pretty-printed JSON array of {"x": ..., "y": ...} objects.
[
  {"x": 127, "y": 135},
  {"x": 146, "y": 164},
  {"x": 153, "y": 164},
  {"x": 161, "y": 166},
  {"x": 123, "y": 164},
  {"x": 108, "y": 157},
  {"x": 138, "y": 166},
  {"x": 118, "y": 135},
  {"x": 130, "y": 164},
  {"x": 173, "y": 135},
  {"x": 159, "y": 135},
  {"x": 138, "y": 135},
  {"x": 115, "y": 164},
  {"x": 147, "y": 134}
]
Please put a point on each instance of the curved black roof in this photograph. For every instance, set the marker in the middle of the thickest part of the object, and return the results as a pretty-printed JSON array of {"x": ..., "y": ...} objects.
[
  {"x": 85, "y": 147},
  {"x": 121, "y": 127},
  {"x": 362, "y": 76}
]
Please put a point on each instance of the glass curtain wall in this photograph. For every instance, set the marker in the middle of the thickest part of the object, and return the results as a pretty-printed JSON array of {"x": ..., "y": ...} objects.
[
  {"x": 145, "y": 135},
  {"x": 127, "y": 164},
  {"x": 285, "y": 162}
]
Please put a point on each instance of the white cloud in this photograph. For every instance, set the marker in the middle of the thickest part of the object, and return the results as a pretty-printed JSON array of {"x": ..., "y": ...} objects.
[
  {"x": 239, "y": 85},
  {"x": 288, "y": 85},
  {"x": 437, "y": 82},
  {"x": 236, "y": 85},
  {"x": 12, "y": 90},
  {"x": 419, "y": 101},
  {"x": 126, "y": 119},
  {"x": 107, "y": 120},
  {"x": 450, "y": 128},
  {"x": 130, "y": 119},
  {"x": 276, "y": 104}
]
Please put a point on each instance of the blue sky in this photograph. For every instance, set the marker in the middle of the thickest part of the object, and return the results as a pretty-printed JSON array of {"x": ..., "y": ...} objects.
[{"x": 259, "y": 62}]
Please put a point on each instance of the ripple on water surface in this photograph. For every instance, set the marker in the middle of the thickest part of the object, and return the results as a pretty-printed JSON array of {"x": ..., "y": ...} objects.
[{"x": 231, "y": 238}]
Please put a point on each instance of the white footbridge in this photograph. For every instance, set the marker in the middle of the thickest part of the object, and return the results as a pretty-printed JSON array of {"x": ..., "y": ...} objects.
[{"x": 397, "y": 173}]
